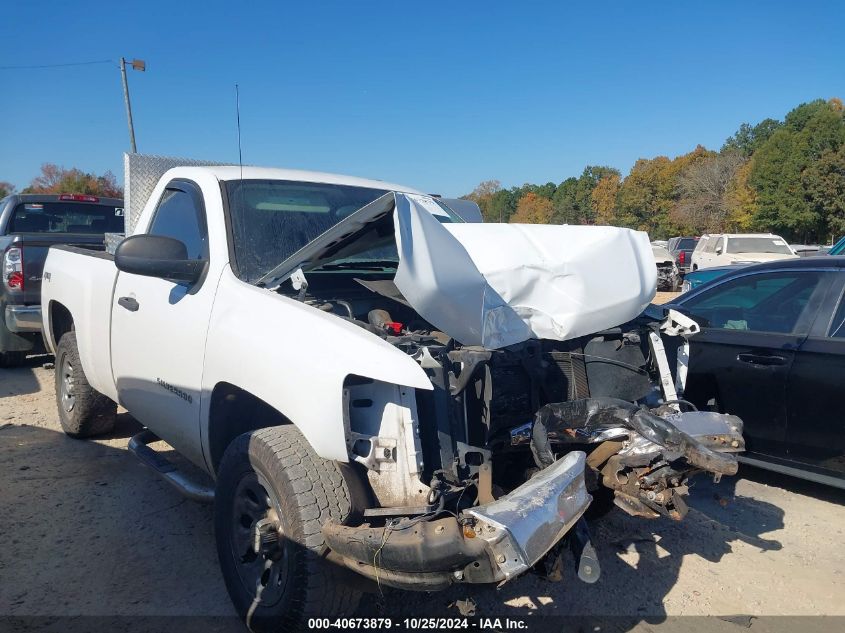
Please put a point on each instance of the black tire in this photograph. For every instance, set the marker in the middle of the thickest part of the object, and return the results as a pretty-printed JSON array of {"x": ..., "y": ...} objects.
[
  {"x": 83, "y": 411},
  {"x": 274, "y": 475},
  {"x": 12, "y": 359}
]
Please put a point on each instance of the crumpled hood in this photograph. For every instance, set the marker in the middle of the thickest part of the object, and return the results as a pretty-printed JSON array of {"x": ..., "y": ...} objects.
[{"x": 495, "y": 285}]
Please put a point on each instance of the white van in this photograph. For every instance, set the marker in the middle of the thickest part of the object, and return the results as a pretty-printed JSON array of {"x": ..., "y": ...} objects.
[{"x": 723, "y": 249}]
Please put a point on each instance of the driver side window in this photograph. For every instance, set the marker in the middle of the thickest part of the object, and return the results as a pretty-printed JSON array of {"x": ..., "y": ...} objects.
[
  {"x": 178, "y": 216},
  {"x": 771, "y": 302}
]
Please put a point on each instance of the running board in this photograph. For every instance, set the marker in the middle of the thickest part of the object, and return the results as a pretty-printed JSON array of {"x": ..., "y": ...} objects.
[{"x": 138, "y": 446}]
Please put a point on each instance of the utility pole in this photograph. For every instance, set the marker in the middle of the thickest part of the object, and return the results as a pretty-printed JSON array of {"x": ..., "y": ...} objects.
[{"x": 137, "y": 64}]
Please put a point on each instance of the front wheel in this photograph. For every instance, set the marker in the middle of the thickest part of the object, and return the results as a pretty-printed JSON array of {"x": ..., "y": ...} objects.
[{"x": 274, "y": 493}]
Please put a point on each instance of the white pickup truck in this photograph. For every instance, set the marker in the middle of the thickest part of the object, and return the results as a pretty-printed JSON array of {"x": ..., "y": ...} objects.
[{"x": 375, "y": 385}]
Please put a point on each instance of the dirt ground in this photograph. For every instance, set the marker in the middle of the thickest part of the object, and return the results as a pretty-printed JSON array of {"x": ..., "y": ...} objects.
[{"x": 87, "y": 530}]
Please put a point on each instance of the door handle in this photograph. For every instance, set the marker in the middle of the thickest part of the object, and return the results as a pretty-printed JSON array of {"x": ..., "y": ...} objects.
[
  {"x": 761, "y": 360},
  {"x": 129, "y": 303}
]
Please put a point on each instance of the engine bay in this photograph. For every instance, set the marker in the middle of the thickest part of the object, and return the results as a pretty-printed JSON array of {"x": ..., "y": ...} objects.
[{"x": 496, "y": 418}]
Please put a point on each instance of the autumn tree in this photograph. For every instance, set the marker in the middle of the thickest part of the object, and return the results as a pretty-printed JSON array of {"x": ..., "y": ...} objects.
[
  {"x": 650, "y": 193},
  {"x": 6, "y": 188},
  {"x": 573, "y": 197},
  {"x": 482, "y": 195},
  {"x": 533, "y": 209},
  {"x": 603, "y": 199},
  {"x": 56, "y": 179},
  {"x": 740, "y": 201}
]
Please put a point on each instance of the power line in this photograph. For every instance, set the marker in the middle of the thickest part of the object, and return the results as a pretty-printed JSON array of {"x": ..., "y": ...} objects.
[{"x": 101, "y": 61}]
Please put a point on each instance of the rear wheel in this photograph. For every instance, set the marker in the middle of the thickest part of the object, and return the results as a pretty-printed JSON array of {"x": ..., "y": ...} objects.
[
  {"x": 83, "y": 411},
  {"x": 274, "y": 493},
  {"x": 11, "y": 359}
]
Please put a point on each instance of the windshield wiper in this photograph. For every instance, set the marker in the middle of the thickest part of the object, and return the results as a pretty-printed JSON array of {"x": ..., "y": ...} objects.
[{"x": 361, "y": 265}]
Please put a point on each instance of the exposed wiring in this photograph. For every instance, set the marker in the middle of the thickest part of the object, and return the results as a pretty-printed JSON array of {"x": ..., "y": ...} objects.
[{"x": 682, "y": 401}]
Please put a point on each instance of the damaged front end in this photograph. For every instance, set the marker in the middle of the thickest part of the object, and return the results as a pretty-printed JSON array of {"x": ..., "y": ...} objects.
[{"x": 540, "y": 405}]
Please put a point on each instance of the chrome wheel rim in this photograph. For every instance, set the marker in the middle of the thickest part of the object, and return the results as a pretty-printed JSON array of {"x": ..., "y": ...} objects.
[{"x": 67, "y": 385}]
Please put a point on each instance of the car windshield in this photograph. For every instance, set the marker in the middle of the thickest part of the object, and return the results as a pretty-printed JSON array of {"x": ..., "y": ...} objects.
[
  {"x": 66, "y": 217},
  {"x": 758, "y": 245},
  {"x": 685, "y": 244},
  {"x": 272, "y": 219}
]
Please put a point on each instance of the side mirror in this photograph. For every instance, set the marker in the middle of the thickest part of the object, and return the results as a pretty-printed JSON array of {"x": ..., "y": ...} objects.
[
  {"x": 718, "y": 250},
  {"x": 158, "y": 256}
]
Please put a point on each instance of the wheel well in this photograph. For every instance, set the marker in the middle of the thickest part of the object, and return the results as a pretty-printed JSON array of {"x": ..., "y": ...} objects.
[
  {"x": 61, "y": 321},
  {"x": 233, "y": 412}
]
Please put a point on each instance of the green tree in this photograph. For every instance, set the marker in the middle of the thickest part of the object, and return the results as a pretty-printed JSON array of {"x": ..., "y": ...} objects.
[
  {"x": 749, "y": 137},
  {"x": 6, "y": 188},
  {"x": 793, "y": 193},
  {"x": 824, "y": 182}
]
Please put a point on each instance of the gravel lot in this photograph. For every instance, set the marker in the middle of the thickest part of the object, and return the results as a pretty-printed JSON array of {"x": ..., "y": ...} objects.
[{"x": 87, "y": 530}]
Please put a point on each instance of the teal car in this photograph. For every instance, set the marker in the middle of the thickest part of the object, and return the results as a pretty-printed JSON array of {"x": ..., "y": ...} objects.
[
  {"x": 695, "y": 278},
  {"x": 838, "y": 248}
]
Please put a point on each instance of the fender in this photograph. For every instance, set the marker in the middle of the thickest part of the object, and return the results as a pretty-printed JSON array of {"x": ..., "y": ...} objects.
[{"x": 295, "y": 358}]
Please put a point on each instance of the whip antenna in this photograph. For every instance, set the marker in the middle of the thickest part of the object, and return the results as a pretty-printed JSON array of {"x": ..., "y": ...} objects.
[{"x": 238, "y": 111}]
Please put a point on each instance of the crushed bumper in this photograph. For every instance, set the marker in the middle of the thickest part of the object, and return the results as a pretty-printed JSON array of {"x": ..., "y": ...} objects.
[
  {"x": 521, "y": 527},
  {"x": 489, "y": 543}
]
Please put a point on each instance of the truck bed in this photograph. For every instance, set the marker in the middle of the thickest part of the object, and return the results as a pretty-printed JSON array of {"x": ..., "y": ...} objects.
[{"x": 83, "y": 280}]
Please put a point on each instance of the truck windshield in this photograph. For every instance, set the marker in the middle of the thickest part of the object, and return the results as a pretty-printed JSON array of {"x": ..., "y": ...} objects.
[
  {"x": 66, "y": 217},
  {"x": 272, "y": 219},
  {"x": 758, "y": 245}
]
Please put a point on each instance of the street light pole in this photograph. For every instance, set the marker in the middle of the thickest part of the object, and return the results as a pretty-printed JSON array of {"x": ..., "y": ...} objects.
[{"x": 137, "y": 64}]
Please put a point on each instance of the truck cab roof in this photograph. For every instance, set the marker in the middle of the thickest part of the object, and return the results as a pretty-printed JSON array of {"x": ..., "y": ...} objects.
[{"x": 235, "y": 172}]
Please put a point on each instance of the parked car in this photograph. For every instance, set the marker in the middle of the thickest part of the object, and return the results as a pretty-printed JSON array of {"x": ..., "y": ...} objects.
[
  {"x": 772, "y": 350},
  {"x": 739, "y": 248},
  {"x": 809, "y": 250},
  {"x": 29, "y": 225},
  {"x": 681, "y": 249},
  {"x": 668, "y": 275},
  {"x": 838, "y": 248},
  {"x": 696, "y": 278},
  {"x": 344, "y": 357}
]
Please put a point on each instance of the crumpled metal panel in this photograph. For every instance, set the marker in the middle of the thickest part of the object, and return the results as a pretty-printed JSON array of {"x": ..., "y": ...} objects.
[
  {"x": 141, "y": 173},
  {"x": 522, "y": 526}
]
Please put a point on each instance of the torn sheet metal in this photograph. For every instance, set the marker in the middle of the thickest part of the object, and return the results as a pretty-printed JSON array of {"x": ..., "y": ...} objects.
[{"x": 495, "y": 285}]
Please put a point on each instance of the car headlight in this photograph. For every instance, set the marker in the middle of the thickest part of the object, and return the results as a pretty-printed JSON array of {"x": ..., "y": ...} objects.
[{"x": 686, "y": 286}]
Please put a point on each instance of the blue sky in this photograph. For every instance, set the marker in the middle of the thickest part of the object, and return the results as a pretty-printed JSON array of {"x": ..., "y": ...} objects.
[{"x": 436, "y": 95}]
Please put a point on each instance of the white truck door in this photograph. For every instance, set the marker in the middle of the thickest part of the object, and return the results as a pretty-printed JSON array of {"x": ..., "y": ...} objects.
[{"x": 159, "y": 329}]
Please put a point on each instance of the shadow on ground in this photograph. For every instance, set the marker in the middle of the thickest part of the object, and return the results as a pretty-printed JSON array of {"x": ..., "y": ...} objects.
[
  {"x": 18, "y": 381},
  {"x": 90, "y": 531}
]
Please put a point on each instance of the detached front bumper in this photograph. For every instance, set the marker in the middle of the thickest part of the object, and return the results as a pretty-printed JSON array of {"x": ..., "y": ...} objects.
[{"x": 489, "y": 543}]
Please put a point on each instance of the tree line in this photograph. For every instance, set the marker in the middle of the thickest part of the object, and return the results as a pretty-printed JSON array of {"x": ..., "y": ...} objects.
[
  {"x": 787, "y": 177},
  {"x": 56, "y": 179}
]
